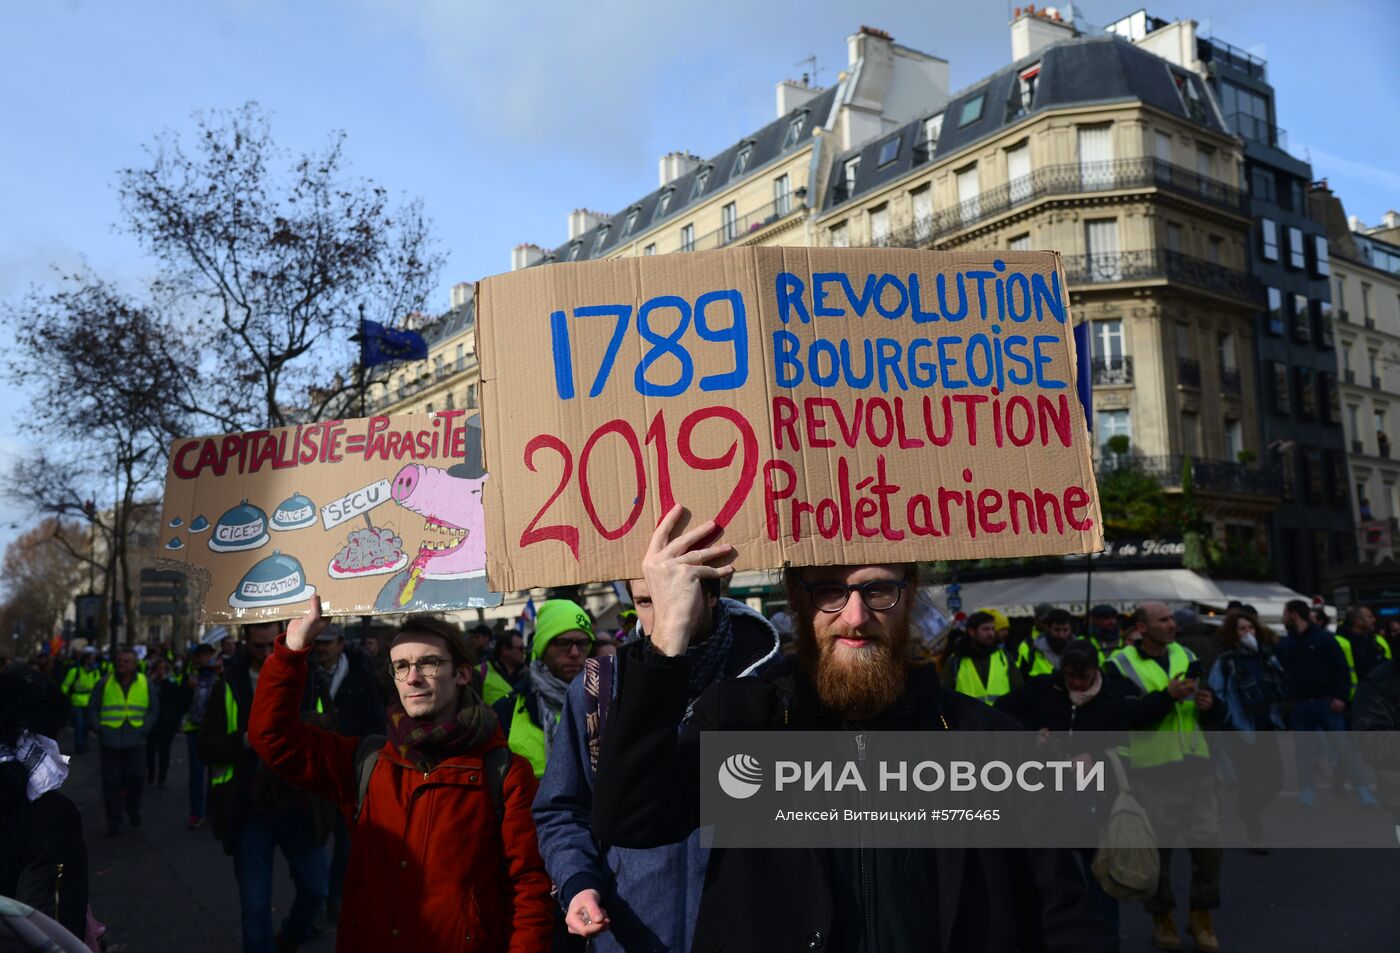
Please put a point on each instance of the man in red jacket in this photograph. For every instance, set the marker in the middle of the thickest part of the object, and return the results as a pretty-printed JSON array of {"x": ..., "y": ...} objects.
[{"x": 444, "y": 857}]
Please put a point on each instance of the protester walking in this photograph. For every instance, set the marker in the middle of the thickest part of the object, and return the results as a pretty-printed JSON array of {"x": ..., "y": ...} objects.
[
  {"x": 1376, "y": 727},
  {"x": 253, "y": 813},
  {"x": 625, "y": 900},
  {"x": 978, "y": 665},
  {"x": 200, "y": 680},
  {"x": 1171, "y": 774},
  {"x": 444, "y": 856},
  {"x": 123, "y": 710},
  {"x": 78, "y": 684},
  {"x": 167, "y": 725},
  {"x": 43, "y": 857},
  {"x": 1362, "y": 645},
  {"x": 852, "y": 669},
  {"x": 343, "y": 677},
  {"x": 1253, "y": 690},
  {"x": 1321, "y": 682},
  {"x": 504, "y": 672},
  {"x": 530, "y": 717}
]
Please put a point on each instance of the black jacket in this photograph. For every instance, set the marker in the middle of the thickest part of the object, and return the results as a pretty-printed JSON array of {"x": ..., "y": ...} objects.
[
  {"x": 359, "y": 709},
  {"x": 647, "y": 794},
  {"x": 43, "y": 858},
  {"x": 173, "y": 701},
  {"x": 1315, "y": 664},
  {"x": 1044, "y": 703},
  {"x": 252, "y": 786},
  {"x": 1375, "y": 722}
]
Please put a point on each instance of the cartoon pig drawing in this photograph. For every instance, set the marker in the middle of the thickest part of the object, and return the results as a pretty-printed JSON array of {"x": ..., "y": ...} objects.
[{"x": 449, "y": 568}]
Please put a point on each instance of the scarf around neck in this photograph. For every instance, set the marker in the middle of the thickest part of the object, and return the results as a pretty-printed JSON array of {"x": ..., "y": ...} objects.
[
  {"x": 426, "y": 744},
  {"x": 549, "y": 691},
  {"x": 1080, "y": 699}
]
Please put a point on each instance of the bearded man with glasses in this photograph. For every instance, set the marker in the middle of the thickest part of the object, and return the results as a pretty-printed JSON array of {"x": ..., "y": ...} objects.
[
  {"x": 443, "y": 853},
  {"x": 852, "y": 671}
]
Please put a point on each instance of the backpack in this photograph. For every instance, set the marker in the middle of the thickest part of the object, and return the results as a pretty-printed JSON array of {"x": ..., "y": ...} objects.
[
  {"x": 1126, "y": 864},
  {"x": 496, "y": 764}
]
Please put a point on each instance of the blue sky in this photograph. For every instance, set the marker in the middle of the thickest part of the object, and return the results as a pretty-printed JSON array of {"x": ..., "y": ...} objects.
[{"x": 503, "y": 117}]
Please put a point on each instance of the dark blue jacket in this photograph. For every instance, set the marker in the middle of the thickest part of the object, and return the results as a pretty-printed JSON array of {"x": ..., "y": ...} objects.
[
  {"x": 652, "y": 895},
  {"x": 1315, "y": 664}
]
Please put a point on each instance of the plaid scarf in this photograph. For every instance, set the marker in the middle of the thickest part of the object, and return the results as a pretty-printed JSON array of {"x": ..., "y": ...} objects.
[{"x": 426, "y": 744}]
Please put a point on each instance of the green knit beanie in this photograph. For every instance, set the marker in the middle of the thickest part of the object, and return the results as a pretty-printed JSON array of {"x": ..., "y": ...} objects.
[{"x": 553, "y": 619}]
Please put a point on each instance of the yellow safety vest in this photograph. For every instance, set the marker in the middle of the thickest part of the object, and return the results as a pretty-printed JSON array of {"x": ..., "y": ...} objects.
[
  {"x": 1177, "y": 735},
  {"x": 526, "y": 737},
  {"x": 998, "y": 678},
  {"x": 79, "y": 683},
  {"x": 1345, "y": 643},
  {"x": 494, "y": 687},
  {"x": 120, "y": 707},
  {"x": 1031, "y": 660}
]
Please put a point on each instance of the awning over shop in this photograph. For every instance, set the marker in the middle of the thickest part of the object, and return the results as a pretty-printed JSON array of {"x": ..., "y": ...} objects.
[
  {"x": 1267, "y": 598},
  {"x": 1121, "y": 588}
]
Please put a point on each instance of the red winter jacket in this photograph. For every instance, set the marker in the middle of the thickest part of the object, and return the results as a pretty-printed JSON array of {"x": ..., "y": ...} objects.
[{"x": 431, "y": 868}]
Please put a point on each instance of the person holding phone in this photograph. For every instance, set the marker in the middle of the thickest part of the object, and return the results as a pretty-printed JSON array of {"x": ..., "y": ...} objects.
[{"x": 1171, "y": 773}]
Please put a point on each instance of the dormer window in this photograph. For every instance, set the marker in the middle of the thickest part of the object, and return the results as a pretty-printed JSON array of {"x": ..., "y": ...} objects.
[
  {"x": 701, "y": 179},
  {"x": 630, "y": 222},
  {"x": 1190, "y": 95},
  {"x": 741, "y": 160},
  {"x": 933, "y": 128},
  {"x": 971, "y": 110},
  {"x": 573, "y": 251},
  {"x": 598, "y": 242},
  {"x": 663, "y": 203},
  {"x": 1030, "y": 78},
  {"x": 794, "y": 129},
  {"x": 889, "y": 151}
]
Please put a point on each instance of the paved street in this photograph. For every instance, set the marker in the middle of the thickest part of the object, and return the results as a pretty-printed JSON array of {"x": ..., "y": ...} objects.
[{"x": 165, "y": 890}]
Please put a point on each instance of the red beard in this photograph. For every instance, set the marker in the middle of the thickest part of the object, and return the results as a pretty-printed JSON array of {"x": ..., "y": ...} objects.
[{"x": 856, "y": 684}]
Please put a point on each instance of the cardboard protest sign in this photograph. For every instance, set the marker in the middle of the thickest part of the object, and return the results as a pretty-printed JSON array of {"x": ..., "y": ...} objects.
[
  {"x": 824, "y": 405},
  {"x": 376, "y": 515}
]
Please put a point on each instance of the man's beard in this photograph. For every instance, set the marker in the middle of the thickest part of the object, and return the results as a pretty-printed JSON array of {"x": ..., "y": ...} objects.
[{"x": 855, "y": 684}]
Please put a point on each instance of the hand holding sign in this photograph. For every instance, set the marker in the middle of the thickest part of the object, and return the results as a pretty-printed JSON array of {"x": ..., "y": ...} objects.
[{"x": 674, "y": 569}]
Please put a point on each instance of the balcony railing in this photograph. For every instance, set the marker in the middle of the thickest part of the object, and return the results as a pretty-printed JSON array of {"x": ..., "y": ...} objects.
[
  {"x": 1152, "y": 263},
  {"x": 1112, "y": 370},
  {"x": 1218, "y": 51},
  {"x": 1230, "y": 380},
  {"x": 1069, "y": 179},
  {"x": 1188, "y": 372},
  {"x": 744, "y": 225},
  {"x": 1258, "y": 130},
  {"x": 1211, "y": 476}
]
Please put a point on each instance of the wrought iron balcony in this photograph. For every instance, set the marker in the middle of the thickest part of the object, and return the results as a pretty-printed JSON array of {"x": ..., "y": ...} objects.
[
  {"x": 745, "y": 225},
  {"x": 1112, "y": 370},
  {"x": 1154, "y": 263},
  {"x": 1188, "y": 372},
  {"x": 1067, "y": 179},
  {"x": 1210, "y": 476}
]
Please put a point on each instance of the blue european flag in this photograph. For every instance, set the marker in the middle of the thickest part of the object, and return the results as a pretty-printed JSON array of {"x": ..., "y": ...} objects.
[
  {"x": 381, "y": 345},
  {"x": 1085, "y": 371}
]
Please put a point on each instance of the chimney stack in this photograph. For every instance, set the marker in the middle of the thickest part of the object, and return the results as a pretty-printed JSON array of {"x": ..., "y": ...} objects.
[
  {"x": 582, "y": 219},
  {"x": 523, "y": 256},
  {"x": 676, "y": 164},
  {"x": 792, "y": 94},
  {"x": 1033, "y": 30},
  {"x": 462, "y": 293}
]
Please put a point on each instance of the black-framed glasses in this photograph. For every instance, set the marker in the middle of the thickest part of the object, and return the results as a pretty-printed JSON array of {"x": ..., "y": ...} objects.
[
  {"x": 568, "y": 645},
  {"x": 879, "y": 595},
  {"x": 428, "y": 666}
]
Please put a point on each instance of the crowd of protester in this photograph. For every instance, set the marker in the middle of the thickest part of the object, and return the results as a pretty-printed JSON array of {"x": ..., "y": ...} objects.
[{"x": 497, "y": 788}]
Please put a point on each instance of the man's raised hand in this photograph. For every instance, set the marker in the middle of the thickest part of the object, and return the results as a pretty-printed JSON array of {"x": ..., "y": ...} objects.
[
  {"x": 674, "y": 569},
  {"x": 302, "y": 632}
]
